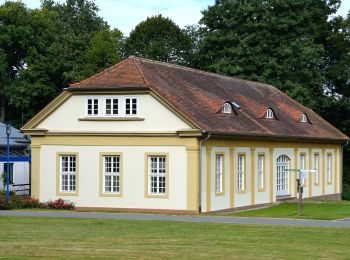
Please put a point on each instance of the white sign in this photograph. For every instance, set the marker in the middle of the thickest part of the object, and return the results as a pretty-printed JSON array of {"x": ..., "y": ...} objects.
[{"x": 303, "y": 174}]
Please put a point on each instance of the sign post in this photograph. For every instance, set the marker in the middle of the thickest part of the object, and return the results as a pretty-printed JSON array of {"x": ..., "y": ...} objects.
[
  {"x": 302, "y": 174},
  {"x": 8, "y": 132}
]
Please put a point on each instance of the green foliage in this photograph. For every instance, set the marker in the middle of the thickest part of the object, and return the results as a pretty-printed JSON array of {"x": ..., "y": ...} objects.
[
  {"x": 43, "y": 50},
  {"x": 265, "y": 41},
  {"x": 105, "y": 49},
  {"x": 158, "y": 38}
]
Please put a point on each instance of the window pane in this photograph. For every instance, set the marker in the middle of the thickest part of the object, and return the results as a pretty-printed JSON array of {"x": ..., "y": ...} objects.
[
  {"x": 68, "y": 173},
  {"x": 157, "y": 174},
  {"x": 131, "y": 106}
]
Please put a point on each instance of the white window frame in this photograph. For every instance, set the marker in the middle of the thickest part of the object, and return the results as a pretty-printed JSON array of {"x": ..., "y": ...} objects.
[
  {"x": 137, "y": 106},
  {"x": 227, "y": 108},
  {"x": 219, "y": 173},
  {"x": 269, "y": 113},
  {"x": 241, "y": 172},
  {"x": 160, "y": 172},
  {"x": 87, "y": 108},
  {"x": 120, "y": 106},
  {"x": 69, "y": 174},
  {"x": 329, "y": 168},
  {"x": 303, "y": 118},
  {"x": 261, "y": 171},
  {"x": 113, "y": 174},
  {"x": 316, "y": 168}
]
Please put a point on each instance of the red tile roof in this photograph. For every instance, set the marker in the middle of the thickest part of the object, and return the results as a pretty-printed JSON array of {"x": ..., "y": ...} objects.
[{"x": 200, "y": 95}]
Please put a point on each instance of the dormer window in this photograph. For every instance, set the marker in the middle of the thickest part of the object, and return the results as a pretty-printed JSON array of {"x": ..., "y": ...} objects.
[
  {"x": 226, "y": 108},
  {"x": 92, "y": 106},
  {"x": 303, "y": 118},
  {"x": 269, "y": 113}
]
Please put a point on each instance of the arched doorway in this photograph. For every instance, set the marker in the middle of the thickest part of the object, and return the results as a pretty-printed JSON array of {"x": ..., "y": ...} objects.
[{"x": 282, "y": 178}]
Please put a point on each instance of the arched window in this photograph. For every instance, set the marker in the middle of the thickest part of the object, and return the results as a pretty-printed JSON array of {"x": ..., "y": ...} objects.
[
  {"x": 303, "y": 118},
  {"x": 226, "y": 108},
  {"x": 269, "y": 113},
  {"x": 282, "y": 177}
]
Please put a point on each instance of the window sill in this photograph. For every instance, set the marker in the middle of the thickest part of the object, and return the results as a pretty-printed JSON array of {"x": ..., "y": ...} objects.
[
  {"x": 67, "y": 193},
  {"x": 110, "y": 118},
  {"x": 111, "y": 194},
  {"x": 157, "y": 196},
  {"x": 261, "y": 189},
  {"x": 219, "y": 193}
]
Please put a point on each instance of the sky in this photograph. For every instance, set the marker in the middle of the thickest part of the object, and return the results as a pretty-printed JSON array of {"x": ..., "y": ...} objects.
[{"x": 126, "y": 14}]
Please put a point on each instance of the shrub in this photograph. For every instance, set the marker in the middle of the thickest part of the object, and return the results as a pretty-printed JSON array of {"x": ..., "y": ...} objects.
[
  {"x": 346, "y": 191},
  {"x": 26, "y": 202},
  {"x": 18, "y": 202},
  {"x": 59, "y": 204}
]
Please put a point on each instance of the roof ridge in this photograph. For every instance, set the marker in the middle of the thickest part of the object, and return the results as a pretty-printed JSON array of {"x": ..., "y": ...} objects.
[
  {"x": 136, "y": 60},
  {"x": 101, "y": 72},
  {"x": 203, "y": 72}
]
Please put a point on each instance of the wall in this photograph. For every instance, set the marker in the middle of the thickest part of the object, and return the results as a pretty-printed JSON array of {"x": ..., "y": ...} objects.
[
  {"x": 157, "y": 117},
  {"x": 271, "y": 150},
  {"x": 133, "y": 184},
  {"x": 20, "y": 173}
]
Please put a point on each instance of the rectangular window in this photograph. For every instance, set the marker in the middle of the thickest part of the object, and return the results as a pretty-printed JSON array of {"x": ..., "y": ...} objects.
[
  {"x": 10, "y": 172},
  {"x": 218, "y": 173},
  {"x": 131, "y": 106},
  {"x": 329, "y": 168},
  {"x": 241, "y": 172},
  {"x": 157, "y": 171},
  {"x": 302, "y": 165},
  {"x": 316, "y": 166},
  {"x": 68, "y": 171},
  {"x": 112, "y": 107},
  {"x": 92, "y": 106},
  {"x": 261, "y": 171},
  {"x": 111, "y": 174}
]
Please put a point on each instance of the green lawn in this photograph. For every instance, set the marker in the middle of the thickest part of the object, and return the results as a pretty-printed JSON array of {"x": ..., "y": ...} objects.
[
  {"x": 322, "y": 210},
  {"x": 64, "y": 238}
]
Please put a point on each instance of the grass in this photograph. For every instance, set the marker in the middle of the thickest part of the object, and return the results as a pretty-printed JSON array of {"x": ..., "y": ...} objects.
[
  {"x": 324, "y": 211},
  {"x": 52, "y": 238}
]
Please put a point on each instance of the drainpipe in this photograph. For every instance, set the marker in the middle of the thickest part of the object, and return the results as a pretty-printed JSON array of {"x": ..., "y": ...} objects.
[
  {"x": 342, "y": 154},
  {"x": 200, "y": 169}
]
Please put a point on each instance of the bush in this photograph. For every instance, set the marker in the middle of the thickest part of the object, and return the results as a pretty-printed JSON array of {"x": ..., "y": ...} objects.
[
  {"x": 27, "y": 202},
  {"x": 346, "y": 192},
  {"x": 59, "y": 204},
  {"x": 18, "y": 202}
]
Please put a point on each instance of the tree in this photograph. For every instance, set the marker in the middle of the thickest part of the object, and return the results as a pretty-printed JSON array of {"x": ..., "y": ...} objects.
[
  {"x": 44, "y": 50},
  {"x": 158, "y": 38},
  {"x": 276, "y": 42},
  {"x": 15, "y": 36},
  {"x": 105, "y": 49}
]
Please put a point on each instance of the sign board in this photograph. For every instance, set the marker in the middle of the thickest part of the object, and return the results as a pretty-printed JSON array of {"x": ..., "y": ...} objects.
[{"x": 304, "y": 174}]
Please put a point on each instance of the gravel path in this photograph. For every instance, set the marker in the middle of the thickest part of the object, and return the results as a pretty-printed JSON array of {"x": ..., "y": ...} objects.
[{"x": 213, "y": 219}]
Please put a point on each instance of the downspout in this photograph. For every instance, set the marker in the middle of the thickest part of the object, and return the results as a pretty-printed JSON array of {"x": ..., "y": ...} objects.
[
  {"x": 343, "y": 168},
  {"x": 200, "y": 169}
]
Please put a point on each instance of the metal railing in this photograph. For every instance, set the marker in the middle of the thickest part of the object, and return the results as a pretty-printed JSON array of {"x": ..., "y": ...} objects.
[{"x": 21, "y": 189}]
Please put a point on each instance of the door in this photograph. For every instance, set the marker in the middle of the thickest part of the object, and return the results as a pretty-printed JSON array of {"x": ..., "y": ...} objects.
[{"x": 282, "y": 180}]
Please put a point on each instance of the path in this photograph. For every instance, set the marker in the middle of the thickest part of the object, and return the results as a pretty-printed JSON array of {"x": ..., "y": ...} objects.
[{"x": 214, "y": 219}]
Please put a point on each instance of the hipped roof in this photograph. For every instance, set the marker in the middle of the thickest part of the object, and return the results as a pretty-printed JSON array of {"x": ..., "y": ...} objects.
[{"x": 199, "y": 96}]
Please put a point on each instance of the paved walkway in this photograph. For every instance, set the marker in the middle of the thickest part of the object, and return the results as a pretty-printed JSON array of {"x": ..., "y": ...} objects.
[{"x": 214, "y": 219}]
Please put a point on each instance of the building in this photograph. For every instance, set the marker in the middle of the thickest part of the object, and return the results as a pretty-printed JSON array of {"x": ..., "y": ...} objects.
[
  {"x": 146, "y": 135},
  {"x": 19, "y": 159}
]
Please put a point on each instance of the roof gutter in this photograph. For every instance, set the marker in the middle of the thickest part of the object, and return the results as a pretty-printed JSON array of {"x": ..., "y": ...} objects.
[
  {"x": 255, "y": 136},
  {"x": 201, "y": 169},
  {"x": 342, "y": 154}
]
